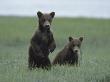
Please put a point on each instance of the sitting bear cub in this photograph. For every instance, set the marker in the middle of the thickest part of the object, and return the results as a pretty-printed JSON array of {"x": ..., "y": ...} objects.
[{"x": 71, "y": 52}]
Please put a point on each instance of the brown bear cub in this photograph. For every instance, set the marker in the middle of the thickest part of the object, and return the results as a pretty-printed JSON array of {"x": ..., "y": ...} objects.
[
  {"x": 70, "y": 54},
  {"x": 42, "y": 43}
]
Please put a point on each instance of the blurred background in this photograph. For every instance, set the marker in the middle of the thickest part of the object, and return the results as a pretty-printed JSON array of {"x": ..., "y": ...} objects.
[
  {"x": 68, "y": 8},
  {"x": 76, "y": 18}
]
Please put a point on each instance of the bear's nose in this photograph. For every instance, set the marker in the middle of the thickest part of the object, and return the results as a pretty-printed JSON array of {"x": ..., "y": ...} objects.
[
  {"x": 75, "y": 51},
  {"x": 47, "y": 26}
]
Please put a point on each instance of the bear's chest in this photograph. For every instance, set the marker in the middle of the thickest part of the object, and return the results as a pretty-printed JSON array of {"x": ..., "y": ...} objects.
[
  {"x": 45, "y": 38},
  {"x": 70, "y": 56}
]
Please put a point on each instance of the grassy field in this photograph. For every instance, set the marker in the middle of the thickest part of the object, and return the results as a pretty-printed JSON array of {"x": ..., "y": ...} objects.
[{"x": 15, "y": 34}]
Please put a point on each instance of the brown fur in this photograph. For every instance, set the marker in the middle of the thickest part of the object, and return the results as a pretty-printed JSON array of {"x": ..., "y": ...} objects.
[
  {"x": 42, "y": 43},
  {"x": 69, "y": 55}
]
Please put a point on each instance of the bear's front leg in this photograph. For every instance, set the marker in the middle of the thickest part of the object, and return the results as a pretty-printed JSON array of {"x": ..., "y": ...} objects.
[
  {"x": 52, "y": 46},
  {"x": 51, "y": 42}
]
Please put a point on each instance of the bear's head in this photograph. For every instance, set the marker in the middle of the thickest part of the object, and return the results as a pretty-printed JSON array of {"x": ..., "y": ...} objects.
[
  {"x": 45, "y": 20},
  {"x": 75, "y": 44}
]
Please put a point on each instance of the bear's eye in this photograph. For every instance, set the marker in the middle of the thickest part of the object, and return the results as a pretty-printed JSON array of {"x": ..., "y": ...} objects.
[{"x": 78, "y": 45}]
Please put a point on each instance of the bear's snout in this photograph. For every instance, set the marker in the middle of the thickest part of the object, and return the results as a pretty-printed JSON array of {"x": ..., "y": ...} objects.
[
  {"x": 47, "y": 27},
  {"x": 76, "y": 50},
  {"x": 46, "y": 24}
]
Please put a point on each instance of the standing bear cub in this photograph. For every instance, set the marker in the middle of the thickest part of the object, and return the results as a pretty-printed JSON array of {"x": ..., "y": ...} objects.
[
  {"x": 42, "y": 43},
  {"x": 71, "y": 52}
]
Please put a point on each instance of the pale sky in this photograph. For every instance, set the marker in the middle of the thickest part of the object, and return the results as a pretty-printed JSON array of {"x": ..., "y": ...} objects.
[{"x": 89, "y": 8}]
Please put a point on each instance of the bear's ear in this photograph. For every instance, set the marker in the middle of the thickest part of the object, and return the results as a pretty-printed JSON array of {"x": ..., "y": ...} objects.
[
  {"x": 70, "y": 38},
  {"x": 81, "y": 39},
  {"x": 52, "y": 14},
  {"x": 39, "y": 14}
]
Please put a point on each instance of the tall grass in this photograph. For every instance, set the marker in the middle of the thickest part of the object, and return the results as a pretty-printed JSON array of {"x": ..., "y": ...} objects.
[{"x": 15, "y": 34}]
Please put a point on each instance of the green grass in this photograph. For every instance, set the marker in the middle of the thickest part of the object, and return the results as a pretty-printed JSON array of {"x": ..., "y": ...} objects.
[{"x": 15, "y": 34}]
